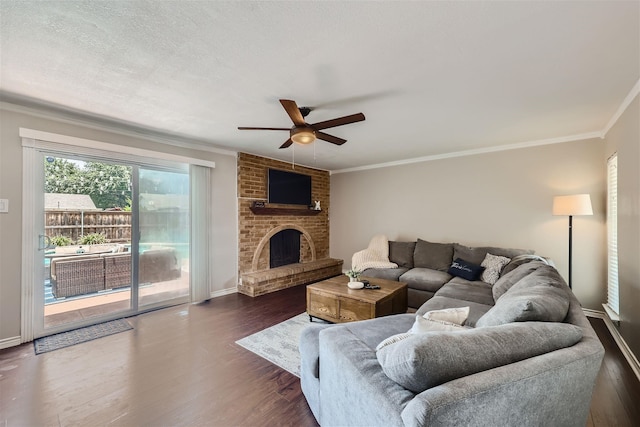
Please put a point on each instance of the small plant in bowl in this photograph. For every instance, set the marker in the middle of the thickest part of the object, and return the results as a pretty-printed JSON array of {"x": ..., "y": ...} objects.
[{"x": 353, "y": 275}]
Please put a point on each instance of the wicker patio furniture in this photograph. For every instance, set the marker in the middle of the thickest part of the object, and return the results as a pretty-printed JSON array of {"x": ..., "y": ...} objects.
[
  {"x": 84, "y": 274},
  {"x": 117, "y": 270},
  {"x": 77, "y": 275}
]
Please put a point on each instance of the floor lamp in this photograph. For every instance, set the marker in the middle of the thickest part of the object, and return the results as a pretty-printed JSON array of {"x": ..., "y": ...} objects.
[{"x": 577, "y": 204}]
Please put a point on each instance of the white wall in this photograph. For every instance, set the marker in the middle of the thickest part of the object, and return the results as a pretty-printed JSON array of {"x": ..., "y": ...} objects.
[
  {"x": 224, "y": 204},
  {"x": 624, "y": 138},
  {"x": 497, "y": 199}
]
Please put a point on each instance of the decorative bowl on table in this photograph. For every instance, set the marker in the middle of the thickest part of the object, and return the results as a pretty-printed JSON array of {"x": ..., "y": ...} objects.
[{"x": 355, "y": 285}]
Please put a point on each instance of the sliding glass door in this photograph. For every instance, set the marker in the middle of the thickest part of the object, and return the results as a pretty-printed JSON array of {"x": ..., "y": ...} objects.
[
  {"x": 163, "y": 224},
  {"x": 114, "y": 240}
]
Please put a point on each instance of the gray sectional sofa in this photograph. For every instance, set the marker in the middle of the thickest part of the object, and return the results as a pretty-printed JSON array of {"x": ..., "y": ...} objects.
[
  {"x": 424, "y": 265},
  {"x": 526, "y": 355}
]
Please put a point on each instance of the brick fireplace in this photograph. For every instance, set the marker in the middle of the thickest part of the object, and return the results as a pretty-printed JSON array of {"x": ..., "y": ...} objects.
[{"x": 256, "y": 227}]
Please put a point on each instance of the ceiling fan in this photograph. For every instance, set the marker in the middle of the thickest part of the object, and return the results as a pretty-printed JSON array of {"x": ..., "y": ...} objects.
[{"x": 305, "y": 133}]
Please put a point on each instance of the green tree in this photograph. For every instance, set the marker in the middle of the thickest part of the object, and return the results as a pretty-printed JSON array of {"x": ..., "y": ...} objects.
[
  {"x": 108, "y": 185},
  {"x": 61, "y": 176}
]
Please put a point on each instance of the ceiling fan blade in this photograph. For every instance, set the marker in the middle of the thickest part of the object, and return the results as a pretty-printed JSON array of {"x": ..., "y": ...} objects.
[
  {"x": 287, "y": 143},
  {"x": 252, "y": 128},
  {"x": 339, "y": 121},
  {"x": 293, "y": 111},
  {"x": 330, "y": 138}
]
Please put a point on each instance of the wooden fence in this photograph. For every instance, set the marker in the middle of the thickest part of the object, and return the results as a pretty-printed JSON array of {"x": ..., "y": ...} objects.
[{"x": 115, "y": 225}]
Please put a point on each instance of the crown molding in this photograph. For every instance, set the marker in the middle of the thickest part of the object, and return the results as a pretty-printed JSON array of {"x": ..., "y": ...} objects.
[
  {"x": 623, "y": 107},
  {"x": 549, "y": 141},
  {"x": 51, "y": 112}
]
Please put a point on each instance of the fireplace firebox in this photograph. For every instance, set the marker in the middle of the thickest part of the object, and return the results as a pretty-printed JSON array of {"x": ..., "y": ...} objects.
[{"x": 284, "y": 248}]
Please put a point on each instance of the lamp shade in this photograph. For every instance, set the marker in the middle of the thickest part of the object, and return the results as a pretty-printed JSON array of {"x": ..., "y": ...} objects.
[{"x": 577, "y": 204}]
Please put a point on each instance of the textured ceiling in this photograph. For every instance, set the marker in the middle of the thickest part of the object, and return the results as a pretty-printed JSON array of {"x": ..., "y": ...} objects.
[{"x": 431, "y": 77}]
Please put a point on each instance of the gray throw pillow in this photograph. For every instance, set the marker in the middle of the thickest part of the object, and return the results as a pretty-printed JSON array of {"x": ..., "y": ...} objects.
[
  {"x": 541, "y": 296},
  {"x": 422, "y": 361},
  {"x": 436, "y": 256},
  {"x": 402, "y": 253},
  {"x": 506, "y": 281}
]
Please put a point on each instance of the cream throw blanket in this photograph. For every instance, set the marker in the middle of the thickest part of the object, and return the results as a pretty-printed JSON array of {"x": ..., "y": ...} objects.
[{"x": 375, "y": 256}]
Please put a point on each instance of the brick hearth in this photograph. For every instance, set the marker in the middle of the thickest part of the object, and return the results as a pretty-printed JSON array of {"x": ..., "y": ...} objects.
[{"x": 255, "y": 230}]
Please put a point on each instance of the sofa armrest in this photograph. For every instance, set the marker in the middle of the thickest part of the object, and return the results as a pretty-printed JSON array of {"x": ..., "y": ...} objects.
[
  {"x": 351, "y": 381},
  {"x": 551, "y": 389},
  {"x": 310, "y": 349}
]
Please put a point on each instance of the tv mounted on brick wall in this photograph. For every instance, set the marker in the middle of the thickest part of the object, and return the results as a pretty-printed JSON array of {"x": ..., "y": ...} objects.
[{"x": 289, "y": 188}]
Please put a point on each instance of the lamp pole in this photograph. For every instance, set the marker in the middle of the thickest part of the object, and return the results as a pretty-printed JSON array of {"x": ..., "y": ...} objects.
[
  {"x": 578, "y": 204},
  {"x": 570, "y": 232}
]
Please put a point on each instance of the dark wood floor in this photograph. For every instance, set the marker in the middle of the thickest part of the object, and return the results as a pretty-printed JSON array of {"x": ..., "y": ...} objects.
[{"x": 181, "y": 366}]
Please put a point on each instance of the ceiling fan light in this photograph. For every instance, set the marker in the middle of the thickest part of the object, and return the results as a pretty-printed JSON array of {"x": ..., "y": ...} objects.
[{"x": 303, "y": 135}]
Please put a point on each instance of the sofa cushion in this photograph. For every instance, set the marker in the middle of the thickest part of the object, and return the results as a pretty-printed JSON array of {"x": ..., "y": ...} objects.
[
  {"x": 462, "y": 289},
  {"x": 540, "y": 296},
  {"x": 465, "y": 269},
  {"x": 436, "y": 256},
  {"x": 402, "y": 253},
  {"x": 493, "y": 265},
  {"x": 509, "y": 279},
  {"x": 425, "y": 279},
  {"x": 385, "y": 273},
  {"x": 422, "y": 361},
  {"x": 522, "y": 259},
  {"x": 476, "y": 310},
  {"x": 476, "y": 255}
]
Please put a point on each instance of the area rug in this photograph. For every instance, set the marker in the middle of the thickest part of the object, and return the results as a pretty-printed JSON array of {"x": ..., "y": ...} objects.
[
  {"x": 279, "y": 343},
  {"x": 77, "y": 336}
]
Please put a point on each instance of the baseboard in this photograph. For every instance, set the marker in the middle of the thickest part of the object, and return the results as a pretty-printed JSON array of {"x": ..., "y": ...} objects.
[
  {"x": 10, "y": 342},
  {"x": 622, "y": 345},
  {"x": 223, "y": 292}
]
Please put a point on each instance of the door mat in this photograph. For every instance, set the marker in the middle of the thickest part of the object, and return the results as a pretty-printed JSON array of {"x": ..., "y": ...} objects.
[
  {"x": 279, "y": 343},
  {"x": 77, "y": 336}
]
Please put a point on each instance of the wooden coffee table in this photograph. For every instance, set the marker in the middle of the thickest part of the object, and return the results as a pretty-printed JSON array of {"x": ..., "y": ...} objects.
[{"x": 333, "y": 301}]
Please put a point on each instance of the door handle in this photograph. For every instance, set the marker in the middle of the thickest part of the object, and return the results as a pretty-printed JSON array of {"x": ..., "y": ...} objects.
[{"x": 44, "y": 242}]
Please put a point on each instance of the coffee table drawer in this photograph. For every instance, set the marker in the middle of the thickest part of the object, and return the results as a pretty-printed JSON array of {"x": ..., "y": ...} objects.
[
  {"x": 323, "y": 306},
  {"x": 352, "y": 310}
]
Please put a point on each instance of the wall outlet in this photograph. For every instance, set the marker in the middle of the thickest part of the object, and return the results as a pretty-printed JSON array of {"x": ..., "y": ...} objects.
[{"x": 4, "y": 205}]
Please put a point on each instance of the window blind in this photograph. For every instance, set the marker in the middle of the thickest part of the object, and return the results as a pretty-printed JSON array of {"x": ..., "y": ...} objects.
[{"x": 612, "y": 234}]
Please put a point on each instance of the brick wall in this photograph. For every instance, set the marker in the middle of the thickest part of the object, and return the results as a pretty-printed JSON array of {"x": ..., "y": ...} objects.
[{"x": 252, "y": 186}]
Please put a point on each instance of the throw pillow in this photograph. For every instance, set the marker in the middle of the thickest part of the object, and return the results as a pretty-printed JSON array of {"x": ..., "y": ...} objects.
[
  {"x": 393, "y": 339},
  {"x": 422, "y": 361},
  {"x": 465, "y": 269},
  {"x": 493, "y": 265},
  {"x": 422, "y": 325},
  {"x": 455, "y": 315},
  {"x": 436, "y": 256}
]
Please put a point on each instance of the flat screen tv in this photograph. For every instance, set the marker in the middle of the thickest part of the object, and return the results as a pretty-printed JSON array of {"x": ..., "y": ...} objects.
[{"x": 289, "y": 188}]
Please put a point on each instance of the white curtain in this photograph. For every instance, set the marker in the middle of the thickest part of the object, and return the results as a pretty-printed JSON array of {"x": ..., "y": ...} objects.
[{"x": 201, "y": 233}]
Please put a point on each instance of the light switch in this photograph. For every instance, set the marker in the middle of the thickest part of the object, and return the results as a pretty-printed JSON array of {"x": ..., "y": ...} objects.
[{"x": 4, "y": 205}]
